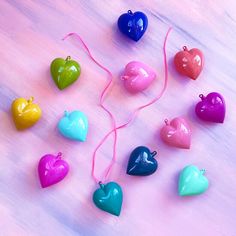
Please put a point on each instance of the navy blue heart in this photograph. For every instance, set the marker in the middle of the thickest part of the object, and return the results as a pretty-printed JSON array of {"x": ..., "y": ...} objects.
[
  {"x": 142, "y": 162},
  {"x": 133, "y": 25}
]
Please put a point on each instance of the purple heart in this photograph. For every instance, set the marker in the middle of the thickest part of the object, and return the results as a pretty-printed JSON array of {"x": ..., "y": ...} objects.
[
  {"x": 211, "y": 108},
  {"x": 52, "y": 169}
]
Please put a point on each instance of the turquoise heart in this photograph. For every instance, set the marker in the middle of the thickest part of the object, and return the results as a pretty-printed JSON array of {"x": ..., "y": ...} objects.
[
  {"x": 192, "y": 181},
  {"x": 109, "y": 198},
  {"x": 74, "y": 125}
]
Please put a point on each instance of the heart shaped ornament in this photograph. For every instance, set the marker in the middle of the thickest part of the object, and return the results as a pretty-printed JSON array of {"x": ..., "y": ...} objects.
[
  {"x": 211, "y": 108},
  {"x": 74, "y": 126},
  {"x": 137, "y": 76},
  {"x": 133, "y": 25},
  {"x": 177, "y": 133},
  {"x": 189, "y": 62},
  {"x": 109, "y": 198},
  {"x": 64, "y": 72},
  {"x": 192, "y": 181},
  {"x": 142, "y": 162},
  {"x": 25, "y": 113},
  {"x": 51, "y": 169}
]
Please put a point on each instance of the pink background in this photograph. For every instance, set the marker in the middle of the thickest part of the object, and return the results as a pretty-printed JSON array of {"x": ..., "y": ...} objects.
[{"x": 30, "y": 38}]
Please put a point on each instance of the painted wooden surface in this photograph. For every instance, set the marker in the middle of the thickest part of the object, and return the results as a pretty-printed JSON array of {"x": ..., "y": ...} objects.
[{"x": 30, "y": 38}]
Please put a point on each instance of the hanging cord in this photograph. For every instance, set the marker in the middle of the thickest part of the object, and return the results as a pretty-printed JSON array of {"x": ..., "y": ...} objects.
[{"x": 131, "y": 117}]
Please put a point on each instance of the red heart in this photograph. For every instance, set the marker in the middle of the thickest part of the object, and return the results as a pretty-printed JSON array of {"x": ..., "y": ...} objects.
[{"x": 189, "y": 62}]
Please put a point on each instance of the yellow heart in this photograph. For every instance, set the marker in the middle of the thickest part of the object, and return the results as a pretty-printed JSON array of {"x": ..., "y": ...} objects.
[{"x": 25, "y": 113}]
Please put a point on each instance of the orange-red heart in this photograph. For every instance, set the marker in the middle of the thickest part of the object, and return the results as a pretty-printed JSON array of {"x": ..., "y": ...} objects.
[{"x": 189, "y": 62}]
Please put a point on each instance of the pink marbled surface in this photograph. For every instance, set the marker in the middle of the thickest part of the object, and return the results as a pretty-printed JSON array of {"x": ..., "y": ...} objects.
[{"x": 30, "y": 37}]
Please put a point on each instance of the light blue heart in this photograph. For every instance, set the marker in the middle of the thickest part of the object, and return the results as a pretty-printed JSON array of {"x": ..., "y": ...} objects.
[
  {"x": 192, "y": 181},
  {"x": 74, "y": 126}
]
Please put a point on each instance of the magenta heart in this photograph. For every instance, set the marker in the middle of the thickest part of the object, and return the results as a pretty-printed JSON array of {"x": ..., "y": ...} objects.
[
  {"x": 211, "y": 108},
  {"x": 137, "y": 76},
  {"x": 52, "y": 169},
  {"x": 177, "y": 133}
]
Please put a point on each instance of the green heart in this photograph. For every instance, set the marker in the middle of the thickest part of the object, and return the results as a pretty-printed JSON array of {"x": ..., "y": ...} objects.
[
  {"x": 64, "y": 72},
  {"x": 109, "y": 198},
  {"x": 192, "y": 181}
]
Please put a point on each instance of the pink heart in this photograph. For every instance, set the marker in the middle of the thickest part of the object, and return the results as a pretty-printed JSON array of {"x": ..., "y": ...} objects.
[
  {"x": 52, "y": 169},
  {"x": 137, "y": 76},
  {"x": 177, "y": 133},
  {"x": 189, "y": 62}
]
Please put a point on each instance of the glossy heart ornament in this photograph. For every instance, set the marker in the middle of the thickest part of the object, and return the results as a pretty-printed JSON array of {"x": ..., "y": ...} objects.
[
  {"x": 109, "y": 198},
  {"x": 177, "y": 133},
  {"x": 74, "y": 126},
  {"x": 25, "y": 113},
  {"x": 142, "y": 162},
  {"x": 189, "y": 62},
  {"x": 51, "y": 169},
  {"x": 137, "y": 76},
  {"x": 211, "y": 108},
  {"x": 64, "y": 72},
  {"x": 133, "y": 25},
  {"x": 192, "y": 181}
]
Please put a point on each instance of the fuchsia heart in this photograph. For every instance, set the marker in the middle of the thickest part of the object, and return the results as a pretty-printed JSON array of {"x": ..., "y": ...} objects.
[
  {"x": 211, "y": 108},
  {"x": 177, "y": 133},
  {"x": 52, "y": 169},
  {"x": 137, "y": 76},
  {"x": 189, "y": 62}
]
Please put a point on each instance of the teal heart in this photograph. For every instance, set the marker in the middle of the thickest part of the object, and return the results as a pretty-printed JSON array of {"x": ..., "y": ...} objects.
[
  {"x": 109, "y": 198},
  {"x": 74, "y": 125},
  {"x": 192, "y": 181},
  {"x": 64, "y": 72}
]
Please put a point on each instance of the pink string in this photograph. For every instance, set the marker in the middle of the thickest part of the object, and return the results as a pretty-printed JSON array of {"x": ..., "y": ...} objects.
[
  {"x": 131, "y": 117},
  {"x": 101, "y": 101}
]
